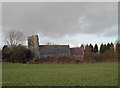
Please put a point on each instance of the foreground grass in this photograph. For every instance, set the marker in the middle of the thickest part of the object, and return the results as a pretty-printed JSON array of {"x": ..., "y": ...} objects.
[{"x": 97, "y": 74}]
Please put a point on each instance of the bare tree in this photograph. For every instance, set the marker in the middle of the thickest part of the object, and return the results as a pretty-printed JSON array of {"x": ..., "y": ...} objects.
[{"x": 15, "y": 37}]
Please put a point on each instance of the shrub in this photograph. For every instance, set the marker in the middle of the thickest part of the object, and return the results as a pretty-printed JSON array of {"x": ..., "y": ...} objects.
[{"x": 16, "y": 53}]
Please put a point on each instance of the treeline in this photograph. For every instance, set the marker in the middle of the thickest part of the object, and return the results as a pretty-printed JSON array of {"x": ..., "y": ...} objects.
[{"x": 107, "y": 52}]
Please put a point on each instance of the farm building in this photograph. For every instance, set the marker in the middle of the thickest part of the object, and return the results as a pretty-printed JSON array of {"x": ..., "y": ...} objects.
[{"x": 40, "y": 51}]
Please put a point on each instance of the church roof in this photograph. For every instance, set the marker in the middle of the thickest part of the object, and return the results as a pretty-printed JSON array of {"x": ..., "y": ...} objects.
[{"x": 54, "y": 49}]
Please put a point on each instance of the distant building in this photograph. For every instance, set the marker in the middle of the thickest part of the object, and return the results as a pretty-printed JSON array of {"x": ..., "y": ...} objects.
[
  {"x": 77, "y": 52},
  {"x": 40, "y": 51}
]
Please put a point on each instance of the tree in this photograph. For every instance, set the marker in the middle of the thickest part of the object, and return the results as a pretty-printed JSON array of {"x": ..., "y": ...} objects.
[
  {"x": 108, "y": 46},
  {"x": 82, "y": 46},
  {"x": 22, "y": 54},
  {"x": 95, "y": 50},
  {"x": 6, "y": 52},
  {"x": 16, "y": 53},
  {"x": 112, "y": 47},
  {"x": 104, "y": 47},
  {"x": 88, "y": 53},
  {"x": 91, "y": 47},
  {"x": 108, "y": 52},
  {"x": 101, "y": 48},
  {"x": 15, "y": 37}
]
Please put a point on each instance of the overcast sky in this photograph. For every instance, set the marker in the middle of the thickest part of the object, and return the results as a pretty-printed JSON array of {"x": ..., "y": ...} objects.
[{"x": 71, "y": 23}]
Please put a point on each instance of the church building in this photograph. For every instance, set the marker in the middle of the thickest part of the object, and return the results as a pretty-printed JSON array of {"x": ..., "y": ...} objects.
[{"x": 41, "y": 51}]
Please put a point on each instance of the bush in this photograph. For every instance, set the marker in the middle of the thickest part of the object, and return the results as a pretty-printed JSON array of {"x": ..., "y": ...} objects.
[
  {"x": 60, "y": 59},
  {"x": 16, "y": 53}
]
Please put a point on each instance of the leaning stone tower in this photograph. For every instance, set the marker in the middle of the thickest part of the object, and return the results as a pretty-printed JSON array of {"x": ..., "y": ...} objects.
[{"x": 33, "y": 45}]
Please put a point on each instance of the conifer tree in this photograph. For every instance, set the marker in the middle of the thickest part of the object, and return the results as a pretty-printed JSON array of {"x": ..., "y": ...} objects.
[
  {"x": 91, "y": 47},
  {"x": 101, "y": 48},
  {"x": 95, "y": 50},
  {"x": 108, "y": 46}
]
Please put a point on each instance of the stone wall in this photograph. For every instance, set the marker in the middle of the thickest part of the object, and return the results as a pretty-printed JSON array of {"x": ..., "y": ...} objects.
[{"x": 33, "y": 45}]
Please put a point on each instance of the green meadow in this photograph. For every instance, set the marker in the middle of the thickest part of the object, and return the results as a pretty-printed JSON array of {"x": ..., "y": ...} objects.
[{"x": 87, "y": 74}]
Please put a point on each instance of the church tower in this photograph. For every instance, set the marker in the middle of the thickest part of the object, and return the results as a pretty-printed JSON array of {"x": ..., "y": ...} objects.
[{"x": 33, "y": 45}]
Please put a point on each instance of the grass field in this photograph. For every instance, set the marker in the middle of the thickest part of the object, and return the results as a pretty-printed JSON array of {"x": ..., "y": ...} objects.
[{"x": 95, "y": 74}]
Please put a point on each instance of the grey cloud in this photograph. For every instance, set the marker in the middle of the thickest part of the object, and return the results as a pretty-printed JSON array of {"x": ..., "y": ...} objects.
[
  {"x": 56, "y": 19},
  {"x": 112, "y": 32}
]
